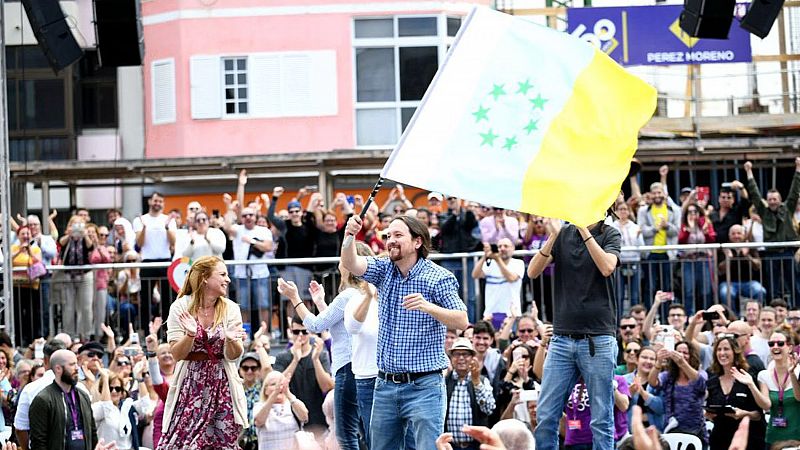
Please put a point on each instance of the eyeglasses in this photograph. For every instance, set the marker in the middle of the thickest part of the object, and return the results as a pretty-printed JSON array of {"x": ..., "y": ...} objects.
[
  {"x": 634, "y": 351},
  {"x": 97, "y": 355},
  {"x": 778, "y": 343},
  {"x": 458, "y": 355},
  {"x": 793, "y": 319},
  {"x": 250, "y": 368},
  {"x": 728, "y": 335},
  {"x": 299, "y": 332},
  {"x": 526, "y": 330},
  {"x": 627, "y": 327},
  {"x": 692, "y": 211},
  {"x": 117, "y": 389}
]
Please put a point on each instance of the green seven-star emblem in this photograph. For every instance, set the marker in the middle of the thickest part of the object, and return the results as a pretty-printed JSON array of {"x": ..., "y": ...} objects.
[
  {"x": 497, "y": 91},
  {"x": 481, "y": 114}
]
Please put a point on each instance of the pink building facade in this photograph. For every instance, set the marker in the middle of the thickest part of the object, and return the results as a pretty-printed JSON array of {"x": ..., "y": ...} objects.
[{"x": 248, "y": 77}]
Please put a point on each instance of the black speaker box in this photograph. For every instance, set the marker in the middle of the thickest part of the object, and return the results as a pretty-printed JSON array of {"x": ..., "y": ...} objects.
[
  {"x": 709, "y": 19},
  {"x": 119, "y": 32},
  {"x": 52, "y": 32},
  {"x": 761, "y": 16}
]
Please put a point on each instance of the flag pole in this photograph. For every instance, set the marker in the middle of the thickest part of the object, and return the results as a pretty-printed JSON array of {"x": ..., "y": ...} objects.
[{"x": 349, "y": 238}]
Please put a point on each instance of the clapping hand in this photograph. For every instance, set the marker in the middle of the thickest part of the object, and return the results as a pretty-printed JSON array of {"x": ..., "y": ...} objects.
[
  {"x": 319, "y": 345},
  {"x": 317, "y": 292},
  {"x": 155, "y": 324},
  {"x": 188, "y": 323},
  {"x": 288, "y": 289},
  {"x": 235, "y": 333},
  {"x": 443, "y": 441},
  {"x": 742, "y": 376}
]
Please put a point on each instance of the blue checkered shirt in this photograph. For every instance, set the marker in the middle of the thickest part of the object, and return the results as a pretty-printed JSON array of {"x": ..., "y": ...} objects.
[
  {"x": 459, "y": 408},
  {"x": 411, "y": 341}
]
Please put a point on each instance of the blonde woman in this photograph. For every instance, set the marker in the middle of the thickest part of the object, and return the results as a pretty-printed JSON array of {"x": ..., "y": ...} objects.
[
  {"x": 277, "y": 414},
  {"x": 205, "y": 407}
]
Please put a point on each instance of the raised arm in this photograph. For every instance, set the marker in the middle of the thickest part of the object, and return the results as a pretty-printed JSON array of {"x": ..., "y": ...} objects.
[
  {"x": 545, "y": 256},
  {"x": 605, "y": 261},
  {"x": 355, "y": 264}
]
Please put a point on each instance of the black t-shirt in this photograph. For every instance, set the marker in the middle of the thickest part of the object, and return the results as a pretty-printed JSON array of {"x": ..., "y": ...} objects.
[
  {"x": 299, "y": 239},
  {"x": 304, "y": 383},
  {"x": 584, "y": 300},
  {"x": 740, "y": 397},
  {"x": 756, "y": 366},
  {"x": 74, "y": 424}
]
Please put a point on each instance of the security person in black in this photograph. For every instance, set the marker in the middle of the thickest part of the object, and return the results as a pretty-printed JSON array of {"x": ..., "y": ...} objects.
[{"x": 61, "y": 415}]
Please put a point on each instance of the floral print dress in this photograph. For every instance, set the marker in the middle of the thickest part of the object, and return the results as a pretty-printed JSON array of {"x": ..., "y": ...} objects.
[{"x": 203, "y": 418}]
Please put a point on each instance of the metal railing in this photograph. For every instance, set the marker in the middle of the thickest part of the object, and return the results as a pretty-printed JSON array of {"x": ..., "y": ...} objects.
[{"x": 699, "y": 275}]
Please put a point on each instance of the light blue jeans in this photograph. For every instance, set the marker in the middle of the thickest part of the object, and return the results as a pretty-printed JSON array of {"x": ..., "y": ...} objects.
[
  {"x": 420, "y": 405},
  {"x": 567, "y": 359}
]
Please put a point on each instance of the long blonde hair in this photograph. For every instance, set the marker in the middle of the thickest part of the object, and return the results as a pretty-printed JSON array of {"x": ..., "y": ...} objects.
[
  {"x": 194, "y": 287},
  {"x": 352, "y": 281}
]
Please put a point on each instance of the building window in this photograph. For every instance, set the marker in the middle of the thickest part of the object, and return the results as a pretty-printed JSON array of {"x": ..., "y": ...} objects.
[
  {"x": 40, "y": 107},
  {"x": 235, "y": 85},
  {"x": 98, "y": 93},
  {"x": 396, "y": 59}
]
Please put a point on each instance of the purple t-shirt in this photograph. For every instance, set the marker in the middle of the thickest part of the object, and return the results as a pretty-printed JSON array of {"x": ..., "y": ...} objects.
[
  {"x": 685, "y": 403},
  {"x": 581, "y": 411}
]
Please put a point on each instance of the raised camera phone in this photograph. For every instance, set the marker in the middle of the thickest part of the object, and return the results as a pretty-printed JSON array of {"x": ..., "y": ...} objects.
[{"x": 710, "y": 315}]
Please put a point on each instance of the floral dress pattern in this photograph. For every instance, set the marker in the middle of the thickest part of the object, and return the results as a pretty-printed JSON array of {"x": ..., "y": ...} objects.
[{"x": 203, "y": 418}]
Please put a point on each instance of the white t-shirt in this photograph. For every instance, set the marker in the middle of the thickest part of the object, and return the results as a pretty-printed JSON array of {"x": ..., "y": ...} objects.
[
  {"x": 212, "y": 244},
  {"x": 760, "y": 347},
  {"x": 241, "y": 249},
  {"x": 767, "y": 377},
  {"x": 278, "y": 432},
  {"x": 364, "y": 341},
  {"x": 502, "y": 295},
  {"x": 156, "y": 244},
  {"x": 113, "y": 423}
]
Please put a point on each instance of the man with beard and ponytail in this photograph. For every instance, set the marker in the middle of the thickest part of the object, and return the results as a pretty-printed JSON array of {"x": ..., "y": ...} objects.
[
  {"x": 584, "y": 328},
  {"x": 61, "y": 415},
  {"x": 417, "y": 302}
]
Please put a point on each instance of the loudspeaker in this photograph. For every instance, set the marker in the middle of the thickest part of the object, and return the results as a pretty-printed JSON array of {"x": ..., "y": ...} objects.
[
  {"x": 52, "y": 32},
  {"x": 707, "y": 18},
  {"x": 118, "y": 24},
  {"x": 761, "y": 16}
]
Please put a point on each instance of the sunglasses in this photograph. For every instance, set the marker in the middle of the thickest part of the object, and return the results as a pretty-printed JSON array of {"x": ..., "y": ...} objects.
[
  {"x": 249, "y": 368},
  {"x": 123, "y": 363},
  {"x": 627, "y": 327},
  {"x": 526, "y": 330},
  {"x": 103, "y": 234},
  {"x": 299, "y": 332},
  {"x": 194, "y": 209},
  {"x": 294, "y": 211},
  {"x": 634, "y": 351},
  {"x": 778, "y": 343},
  {"x": 201, "y": 220},
  {"x": 97, "y": 355},
  {"x": 117, "y": 389}
]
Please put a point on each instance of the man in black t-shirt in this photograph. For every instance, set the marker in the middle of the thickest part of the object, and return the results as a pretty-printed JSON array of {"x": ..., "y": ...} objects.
[{"x": 584, "y": 329}]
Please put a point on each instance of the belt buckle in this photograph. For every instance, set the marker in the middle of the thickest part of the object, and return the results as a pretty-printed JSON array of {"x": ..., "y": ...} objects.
[{"x": 398, "y": 378}]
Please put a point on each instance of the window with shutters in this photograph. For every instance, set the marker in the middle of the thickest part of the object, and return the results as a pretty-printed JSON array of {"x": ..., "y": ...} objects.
[
  {"x": 163, "y": 91},
  {"x": 264, "y": 85},
  {"x": 235, "y": 88},
  {"x": 396, "y": 59}
]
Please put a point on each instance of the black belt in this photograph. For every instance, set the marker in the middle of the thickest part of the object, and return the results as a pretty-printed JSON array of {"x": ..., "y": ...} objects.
[
  {"x": 404, "y": 377},
  {"x": 580, "y": 337}
]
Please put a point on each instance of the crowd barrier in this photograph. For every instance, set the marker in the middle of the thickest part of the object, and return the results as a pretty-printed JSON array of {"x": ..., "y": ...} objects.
[{"x": 697, "y": 275}]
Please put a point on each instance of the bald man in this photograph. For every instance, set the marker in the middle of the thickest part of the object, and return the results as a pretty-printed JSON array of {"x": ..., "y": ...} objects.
[
  {"x": 61, "y": 415},
  {"x": 503, "y": 276}
]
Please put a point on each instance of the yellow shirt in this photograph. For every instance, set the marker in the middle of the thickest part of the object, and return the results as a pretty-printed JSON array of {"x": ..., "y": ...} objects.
[
  {"x": 659, "y": 214},
  {"x": 25, "y": 260}
]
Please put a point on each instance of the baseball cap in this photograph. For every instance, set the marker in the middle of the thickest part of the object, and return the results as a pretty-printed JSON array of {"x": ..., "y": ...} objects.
[
  {"x": 294, "y": 204},
  {"x": 250, "y": 355},
  {"x": 462, "y": 344},
  {"x": 436, "y": 195},
  {"x": 686, "y": 190},
  {"x": 91, "y": 346}
]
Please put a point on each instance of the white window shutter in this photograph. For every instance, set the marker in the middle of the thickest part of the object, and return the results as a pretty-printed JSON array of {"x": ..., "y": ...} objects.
[
  {"x": 264, "y": 74},
  {"x": 206, "y": 87},
  {"x": 163, "y": 91},
  {"x": 309, "y": 84},
  {"x": 323, "y": 84}
]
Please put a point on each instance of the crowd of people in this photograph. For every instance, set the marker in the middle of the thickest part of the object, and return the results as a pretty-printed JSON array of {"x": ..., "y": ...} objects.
[{"x": 388, "y": 358}]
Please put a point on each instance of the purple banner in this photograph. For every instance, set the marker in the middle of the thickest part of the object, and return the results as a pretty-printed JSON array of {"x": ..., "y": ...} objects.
[{"x": 650, "y": 35}]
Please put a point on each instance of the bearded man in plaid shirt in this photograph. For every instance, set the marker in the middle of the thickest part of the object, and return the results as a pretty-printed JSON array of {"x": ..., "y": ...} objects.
[{"x": 417, "y": 302}]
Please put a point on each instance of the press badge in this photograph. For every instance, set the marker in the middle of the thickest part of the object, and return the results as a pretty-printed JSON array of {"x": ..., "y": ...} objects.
[
  {"x": 76, "y": 435},
  {"x": 779, "y": 422},
  {"x": 574, "y": 425}
]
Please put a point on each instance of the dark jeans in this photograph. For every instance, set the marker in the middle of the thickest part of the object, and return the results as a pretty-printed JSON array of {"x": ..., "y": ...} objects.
[
  {"x": 27, "y": 315},
  {"x": 345, "y": 406},
  {"x": 152, "y": 277}
]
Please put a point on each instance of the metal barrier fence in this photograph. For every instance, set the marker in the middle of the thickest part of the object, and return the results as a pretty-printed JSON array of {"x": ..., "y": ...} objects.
[{"x": 699, "y": 275}]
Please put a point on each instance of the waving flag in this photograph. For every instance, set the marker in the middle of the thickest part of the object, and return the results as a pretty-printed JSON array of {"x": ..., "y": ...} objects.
[{"x": 525, "y": 118}]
